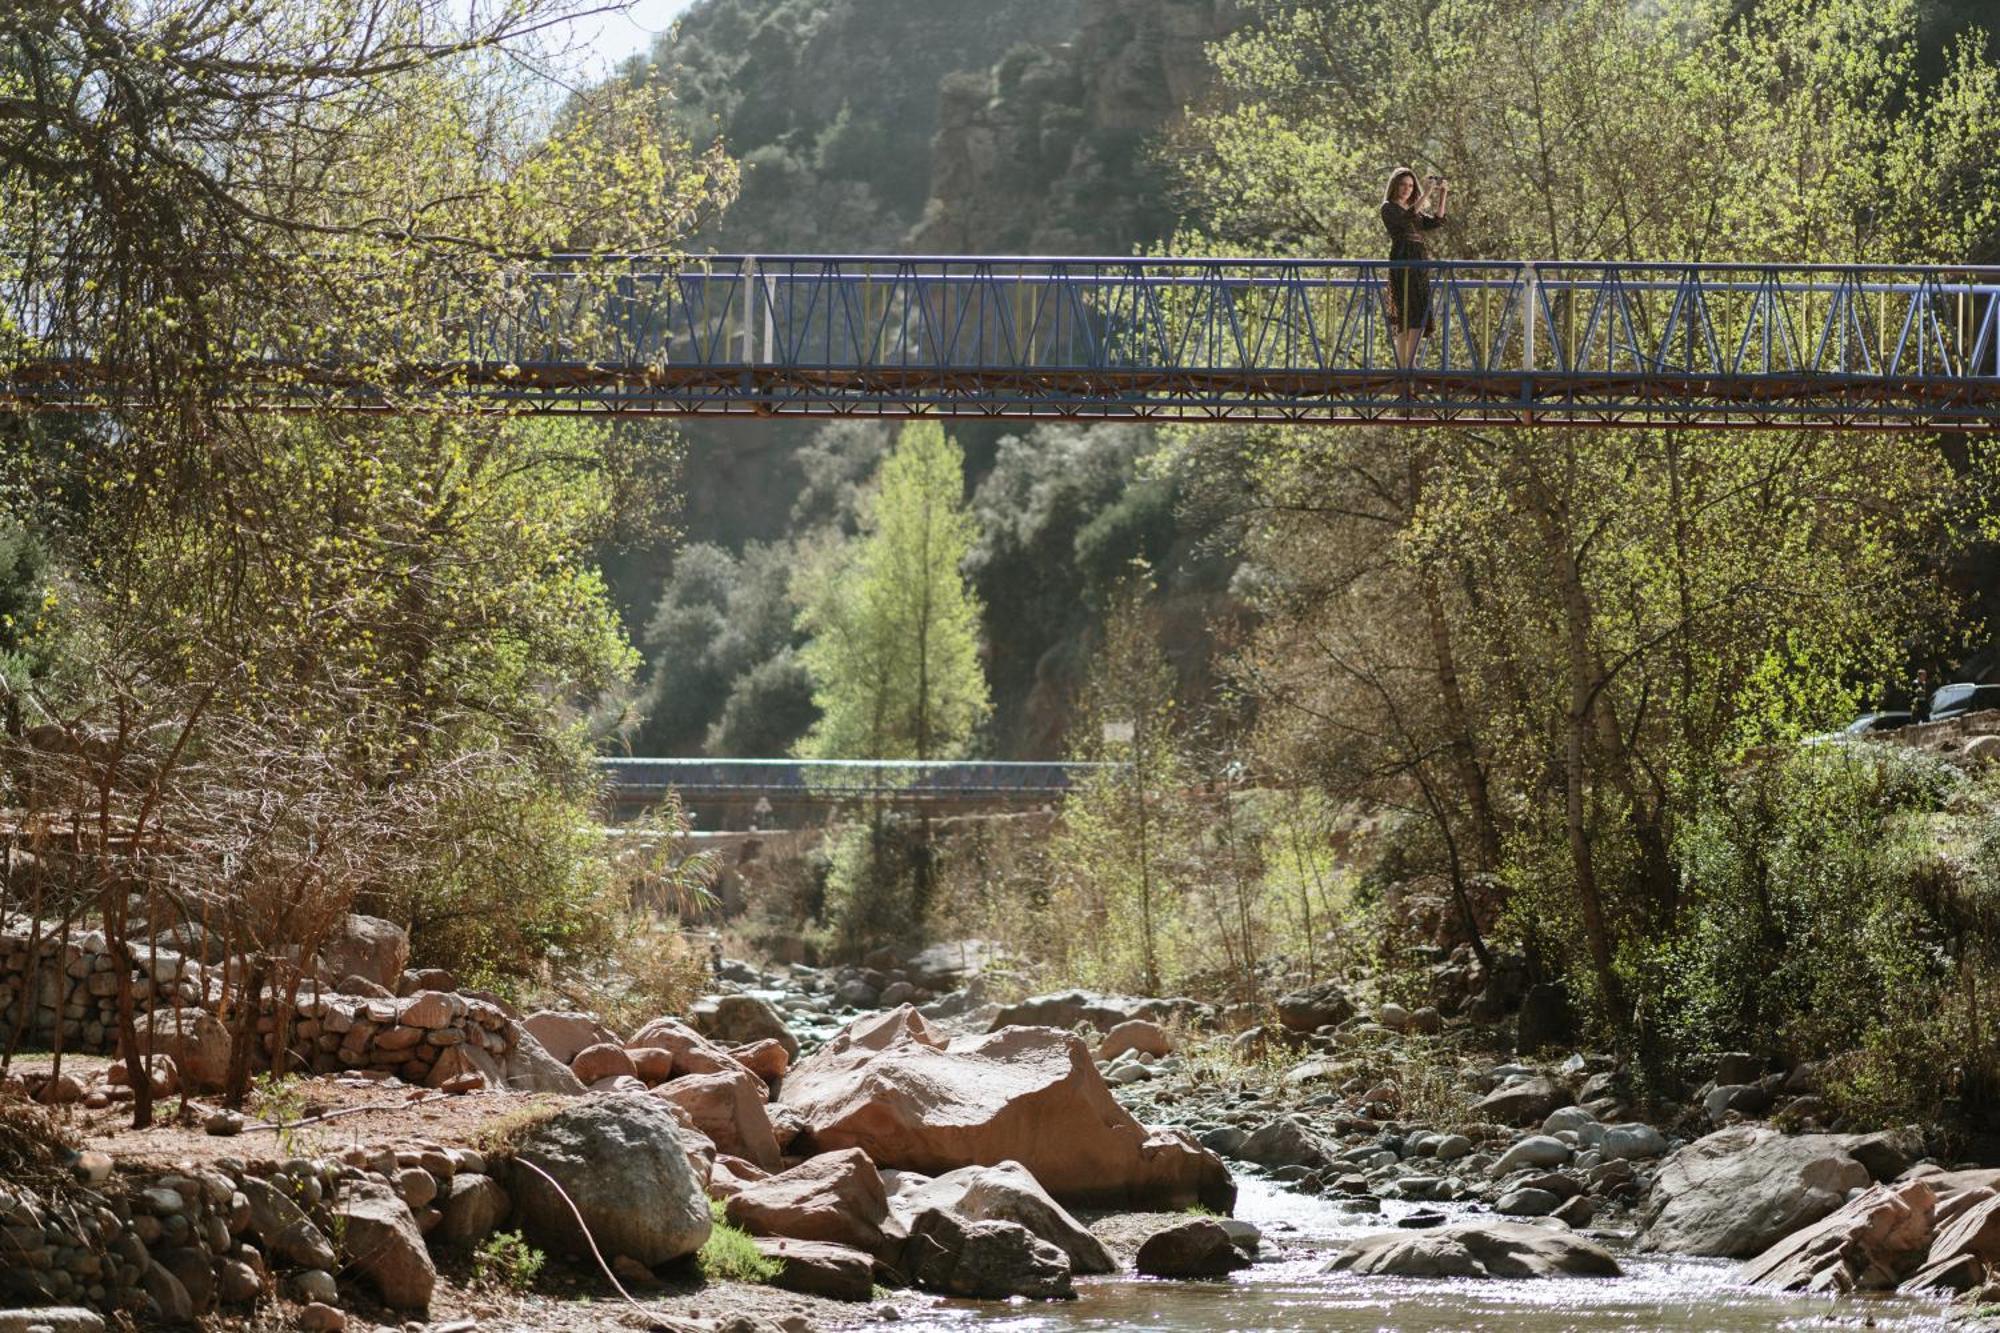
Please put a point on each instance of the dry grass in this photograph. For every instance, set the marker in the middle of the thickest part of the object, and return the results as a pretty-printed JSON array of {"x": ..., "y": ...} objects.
[{"x": 503, "y": 1133}]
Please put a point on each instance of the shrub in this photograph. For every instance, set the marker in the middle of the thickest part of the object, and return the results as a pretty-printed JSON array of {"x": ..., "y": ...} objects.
[
  {"x": 1821, "y": 915},
  {"x": 504, "y": 1259},
  {"x": 730, "y": 1255}
]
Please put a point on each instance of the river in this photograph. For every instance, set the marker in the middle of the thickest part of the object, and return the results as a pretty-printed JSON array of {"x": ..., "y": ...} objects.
[{"x": 1289, "y": 1294}]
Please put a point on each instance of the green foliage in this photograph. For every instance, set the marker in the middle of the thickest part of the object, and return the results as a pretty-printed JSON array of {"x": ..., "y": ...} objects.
[
  {"x": 1124, "y": 853},
  {"x": 506, "y": 1260},
  {"x": 730, "y": 1254},
  {"x": 894, "y": 646},
  {"x": 725, "y": 678},
  {"x": 1554, "y": 646},
  {"x": 297, "y": 662},
  {"x": 1824, "y": 914},
  {"x": 281, "y": 1101},
  {"x": 877, "y": 882}
]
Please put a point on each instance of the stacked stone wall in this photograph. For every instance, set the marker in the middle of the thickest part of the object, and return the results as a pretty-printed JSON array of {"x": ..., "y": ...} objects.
[
  {"x": 71, "y": 988},
  {"x": 180, "y": 1244}
]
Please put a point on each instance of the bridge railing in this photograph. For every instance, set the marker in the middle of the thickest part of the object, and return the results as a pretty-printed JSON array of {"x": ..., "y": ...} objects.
[
  {"x": 1140, "y": 337},
  {"x": 1247, "y": 325}
]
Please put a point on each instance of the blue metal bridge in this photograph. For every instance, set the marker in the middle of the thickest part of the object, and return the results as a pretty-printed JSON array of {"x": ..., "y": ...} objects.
[{"x": 1135, "y": 339}]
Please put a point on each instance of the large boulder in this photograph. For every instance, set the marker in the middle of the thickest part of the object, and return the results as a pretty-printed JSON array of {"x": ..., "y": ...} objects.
[
  {"x": 1523, "y": 1102},
  {"x": 1491, "y": 1249},
  {"x": 1285, "y": 1141},
  {"x": 738, "y": 1020},
  {"x": 620, "y": 1160},
  {"x": 837, "y": 1197},
  {"x": 282, "y": 1228},
  {"x": 195, "y": 1040},
  {"x": 729, "y": 1108},
  {"x": 381, "y": 1242},
  {"x": 367, "y": 946},
  {"x": 1738, "y": 1191},
  {"x": 1965, "y": 1249},
  {"x": 1073, "y": 1008},
  {"x": 1197, "y": 1248},
  {"x": 528, "y": 1067},
  {"x": 1314, "y": 1007},
  {"x": 473, "y": 1207},
  {"x": 950, "y": 964},
  {"x": 692, "y": 1052},
  {"x": 1871, "y": 1244},
  {"x": 1136, "y": 1034},
  {"x": 989, "y": 1261},
  {"x": 889, "y": 1086},
  {"x": 817, "y": 1268},
  {"x": 565, "y": 1033},
  {"x": 1008, "y": 1192}
]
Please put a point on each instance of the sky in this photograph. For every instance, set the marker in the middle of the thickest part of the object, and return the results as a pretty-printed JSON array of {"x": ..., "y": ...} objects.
[{"x": 617, "y": 36}]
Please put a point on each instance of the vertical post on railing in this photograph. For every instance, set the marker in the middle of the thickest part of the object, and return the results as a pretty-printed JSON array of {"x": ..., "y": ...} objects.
[
  {"x": 1531, "y": 296},
  {"x": 770, "y": 349},
  {"x": 1531, "y": 300},
  {"x": 748, "y": 281}
]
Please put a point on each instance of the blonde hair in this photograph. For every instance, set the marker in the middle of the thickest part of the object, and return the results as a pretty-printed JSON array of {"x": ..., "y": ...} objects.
[{"x": 1389, "y": 195}]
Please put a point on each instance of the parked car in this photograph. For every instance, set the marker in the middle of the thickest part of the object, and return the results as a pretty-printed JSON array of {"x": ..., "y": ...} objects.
[
  {"x": 1964, "y": 697},
  {"x": 1868, "y": 724}
]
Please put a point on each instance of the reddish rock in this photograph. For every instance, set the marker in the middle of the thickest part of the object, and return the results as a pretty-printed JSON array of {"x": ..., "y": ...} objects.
[
  {"x": 195, "y": 1040},
  {"x": 889, "y": 1086},
  {"x": 563, "y": 1034},
  {"x": 1138, "y": 1034},
  {"x": 368, "y": 946},
  {"x": 693, "y": 1053},
  {"x": 816, "y": 1268},
  {"x": 1965, "y": 1248},
  {"x": 838, "y": 1198},
  {"x": 729, "y": 1108},
  {"x": 653, "y": 1064},
  {"x": 767, "y": 1059},
  {"x": 1871, "y": 1244},
  {"x": 730, "y": 1174},
  {"x": 604, "y": 1060}
]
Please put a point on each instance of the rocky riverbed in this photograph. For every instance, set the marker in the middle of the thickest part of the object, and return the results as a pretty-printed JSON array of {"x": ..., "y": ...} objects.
[{"x": 898, "y": 1146}]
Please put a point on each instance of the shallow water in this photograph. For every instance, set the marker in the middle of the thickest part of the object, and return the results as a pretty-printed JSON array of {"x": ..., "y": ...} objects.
[{"x": 1289, "y": 1294}]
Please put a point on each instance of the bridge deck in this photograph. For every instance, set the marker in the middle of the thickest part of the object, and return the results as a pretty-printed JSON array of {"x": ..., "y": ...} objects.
[{"x": 1155, "y": 339}]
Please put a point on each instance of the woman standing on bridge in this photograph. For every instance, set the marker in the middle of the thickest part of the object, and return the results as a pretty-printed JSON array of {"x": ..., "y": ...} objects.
[{"x": 1407, "y": 215}]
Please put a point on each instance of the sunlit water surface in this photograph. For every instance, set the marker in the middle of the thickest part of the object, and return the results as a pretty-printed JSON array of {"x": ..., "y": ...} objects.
[{"x": 1291, "y": 1295}]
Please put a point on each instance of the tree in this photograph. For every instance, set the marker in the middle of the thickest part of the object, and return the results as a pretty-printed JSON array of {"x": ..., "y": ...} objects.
[
  {"x": 1125, "y": 849},
  {"x": 1552, "y": 643},
  {"x": 298, "y": 661},
  {"x": 893, "y": 626}
]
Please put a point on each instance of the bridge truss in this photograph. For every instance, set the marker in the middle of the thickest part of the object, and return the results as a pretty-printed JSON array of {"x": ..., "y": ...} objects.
[{"x": 1145, "y": 339}]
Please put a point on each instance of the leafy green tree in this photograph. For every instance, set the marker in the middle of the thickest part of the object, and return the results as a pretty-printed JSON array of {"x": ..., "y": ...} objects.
[
  {"x": 1551, "y": 643},
  {"x": 894, "y": 628},
  {"x": 1126, "y": 847},
  {"x": 300, "y": 662}
]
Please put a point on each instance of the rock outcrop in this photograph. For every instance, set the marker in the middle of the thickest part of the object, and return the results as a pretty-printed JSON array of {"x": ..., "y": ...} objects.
[
  {"x": 1008, "y": 1192},
  {"x": 890, "y": 1086},
  {"x": 1495, "y": 1249},
  {"x": 1740, "y": 1190},
  {"x": 838, "y": 1198},
  {"x": 1871, "y": 1244},
  {"x": 621, "y": 1161}
]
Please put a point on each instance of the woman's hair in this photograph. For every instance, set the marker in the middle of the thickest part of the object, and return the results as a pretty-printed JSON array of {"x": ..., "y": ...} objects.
[{"x": 1389, "y": 195}]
